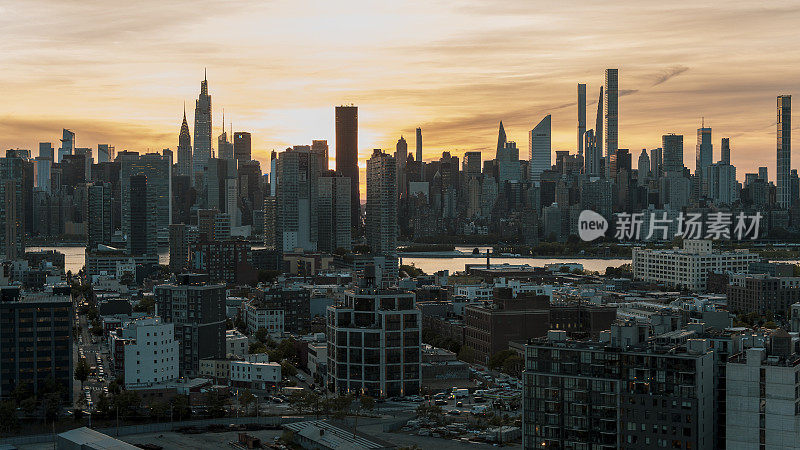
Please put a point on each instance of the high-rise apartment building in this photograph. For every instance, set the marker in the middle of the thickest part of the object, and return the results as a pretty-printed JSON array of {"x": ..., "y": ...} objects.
[
  {"x": 67, "y": 144},
  {"x": 333, "y": 213},
  {"x": 471, "y": 165},
  {"x": 242, "y": 150},
  {"x": 784, "y": 150},
  {"x": 185, "y": 161},
  {"x": 672, "y": 145},
  {"x": 611, "y": 119},
  {"x": 606, "y": 395},
  {"x": 296, "y": 200},
  {"x": 374, "y": 340},
  {"x": 105, "y": 153},
  {"x": 197, "y": 310},
  {"x": 381, "y": 219},
  {"x": 539, "y": 149},
  {"x": 12, "y": 208},
  {"x": 36, "y": 329},
  {"x": 704, "y": 157},
  {"x": 202, "y": 130},
  {"x": 656, "y": 163},
  {"x": 158, "y": 171},
  {"x": 419, "y": 154},
  {"x": 401, "y": 157},
  {"x": 347, "y": 157},
  {"x": 99, "y": 214}
]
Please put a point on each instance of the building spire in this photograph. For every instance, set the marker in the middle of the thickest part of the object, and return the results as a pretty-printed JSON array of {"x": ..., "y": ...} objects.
[{"x": 205, "y": 74}]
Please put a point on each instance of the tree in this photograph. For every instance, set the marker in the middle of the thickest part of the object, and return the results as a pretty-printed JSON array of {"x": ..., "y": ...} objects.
[
  {"x": 287, "y": 368},
  {"x": 467, "y": 354},
  {"x": 9, "y": 421},
  {"x": 366, "y": 403},
  {"x": 216, "y": 404},
  {"x": 180, "y": 407},
  {"x": 82, "y": 371},
  {"x": 159, "y": 410},
  {"x": 246, "y": 398},
  {"x": 262, "y": 334},
  {"x": 257, "y": 347},
  {"x": 145, "y": 305}
]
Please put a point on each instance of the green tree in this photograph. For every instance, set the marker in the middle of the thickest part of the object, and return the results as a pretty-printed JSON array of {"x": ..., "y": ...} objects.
[
  {"x": 246, "y": 398},
  {"x": 256, "y": 347},
  {"x": 82, "y": 371},
  {"x": 262, "y": 334},
  {"x": 180, "y": 407},
  {"x": 467, "y": 354},
  {"x": 9, "y": 421}
]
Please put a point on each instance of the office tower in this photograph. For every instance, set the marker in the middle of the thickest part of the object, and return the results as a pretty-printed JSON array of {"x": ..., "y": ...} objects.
[
  {"x": 333, "y": 212},
  {"x": 381, "y": 221},
  {"x": 202, "y": 130},
  {"x": 67, "y": 144},
  {"x": 185, "y": 164},
  {"x": 224, "y": 146},
  {"x": 273, "y": 173},
  {"x": 12, "y": 208},
  {"x": 158, "y": 171},
  {"x": 251, "y": 190},
  {"x": 217, "y": 174},
  {"x": 201, "y": 331},
  {"x": 232, "y": 201},
  {"x": 598, "y": 126},
  {"x": 98, "y": 215},
  {"x": 36, "y": 328},
  {"x": 762, "y": 174},
  {"x": 320, "y": 148},
  {"x": 374, "y": 340},
  {"x": 46, "y": 150},
  {"x": 401, "y": 157},
  {"x": 725, "y": 151},
  {"x": 624, "y": 162},
  {"x": 704, "y": 156},
  {"x": 722, "y": 186},
  {"x": 508, "y": 167},
  {"x": 672, "y": 145},
  {"x": 539, "y": 149},
  {"x": 501, "y": 140},
  {"x": 471, "y": 166},
  {"x": 104, "y": 153},
  {"x": 347, "y": 157},
  {"x": 784, "y": 150},
  {"x": 141, "y": 235},
  {"x": 644, "y": 166},
  {"x": 296, "y": 200},
  {"x": 242, "y": 150},
  {"x": 794, "y": 183},
  {"x": 656, "y": 163},
  {"x": 611, "y": 119},
  {"x": 581, "y": 119},
  {"x": 419, "y": 154}
]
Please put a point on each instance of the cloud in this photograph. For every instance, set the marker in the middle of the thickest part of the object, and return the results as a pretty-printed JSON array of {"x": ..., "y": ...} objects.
[{"x": 671, "y": 72}]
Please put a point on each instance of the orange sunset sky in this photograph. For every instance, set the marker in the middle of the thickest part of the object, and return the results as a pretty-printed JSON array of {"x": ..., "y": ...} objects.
[{"x": 119, "y": 72}]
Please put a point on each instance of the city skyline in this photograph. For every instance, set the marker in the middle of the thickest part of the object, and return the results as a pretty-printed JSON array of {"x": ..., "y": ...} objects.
[{"x": 418, "y": 79}]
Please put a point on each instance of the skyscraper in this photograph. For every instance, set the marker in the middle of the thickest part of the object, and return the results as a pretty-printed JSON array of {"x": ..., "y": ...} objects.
[
  {"x": 419, "y": 154},
  {"x": 105, "y": 153},
  {"x": 224, "y": 146},
  {"x": 347, "y": 157},
  {"x": 471, "y": 166},
  {"x": 67, "y": 144},
  {"x": 784, "y": 150},
  {"x": 333, "y": 212},
  {"x": 581, "y": 119},
  {"x": 99, "y": 215},
  {"x": 202, "y": 130},
  {"x": 142, "y": 236},
  {"x": 763, "y": 174},
  {"x": 704, "y": 157},
  {"x": 158, "y": 171},
  {"x": 381, "y": 221},
  {"x": 12, "y": 210},
  {"x": 241, "y": 146},
  {"x": 611, "y": 119},
  {"x": 185, "y": 149},
  {"x": 501, "y": 140},
  {"x": 296, "y": 200},
  {"x": 644, "y": 166},
  {"x": 725, "y": 151},
  {"x": 672, "y": 145},
  {"x": 539, "y": 149},
  {"x": 401, "y": 156},
  {"x": 320, "y": 148},
  {"x": 656, "y": 164}
]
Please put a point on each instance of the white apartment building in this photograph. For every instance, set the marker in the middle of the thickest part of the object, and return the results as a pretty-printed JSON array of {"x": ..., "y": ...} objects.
[
  {"x": 520, "y": 287},
  {"x": 257, "y": 315},
  {"x": 475, "y": 292},
  {"x": 255, "y": 372},
  {"x": 687, "y": 268},
  {"x": 763, "y": 401},
  {"x": 149, "y": 351},
  {"x": 236, "y": 343}
]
